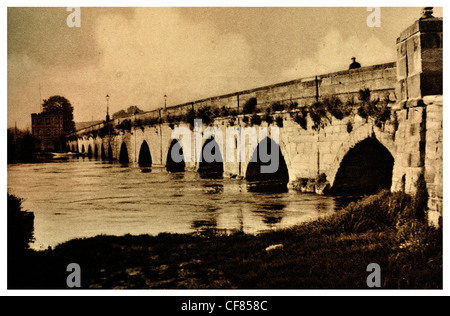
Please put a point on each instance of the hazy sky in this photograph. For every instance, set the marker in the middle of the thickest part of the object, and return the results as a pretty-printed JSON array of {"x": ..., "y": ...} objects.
[{"x": 136, "y": 55}]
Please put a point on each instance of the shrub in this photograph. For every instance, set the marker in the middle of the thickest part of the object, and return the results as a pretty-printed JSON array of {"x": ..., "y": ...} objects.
[
  {"x": 318, "y": 112},
  {"x": 293, "y": 105},
  {"x": 205, "y": 114},
  {"x": 234, "y": 113},
  {"x": 279, "y": 120},
  {"x": 366, "y": 107},
  {"x": 268, "y": 118},
  {"x": 151, "y": 121},
  {"x": 255, "y": 119},
  {"x": 369, "y": 109},
  {"x": 250, "y": 106},
  {"x": 334, "y": 106},
  {"x": 22, "y": 147},
  {"x": 349, "y": 127},
  {"x": 189, "y": 118},
  {"x": 364, "y": 95},
  {"x": 224, "y": 111},
  {"x": 322, "y": 178},
  {"x": 20, "y": 225},
  {"x": 124, "y": 125},
  {"x": 382, "y": 114},
  {"x": 277, "y": 106},
  {"x": 301, "y": 118},
  {"x": 107, "y": 129},
  {"x": 337, "y": 108},
  {"x": 384, "y": 210},
  {"x": 216, "y": 112},
  {"x": 170, "y": 118},
  {"x": 379, "y": 111}
]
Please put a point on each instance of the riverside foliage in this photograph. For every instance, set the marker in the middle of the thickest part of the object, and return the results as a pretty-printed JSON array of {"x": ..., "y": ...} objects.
[{"x": 330, "y": 253}]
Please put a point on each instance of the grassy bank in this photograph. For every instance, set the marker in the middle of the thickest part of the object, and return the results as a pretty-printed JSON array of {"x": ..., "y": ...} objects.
[{"x": 331, "y": 253}]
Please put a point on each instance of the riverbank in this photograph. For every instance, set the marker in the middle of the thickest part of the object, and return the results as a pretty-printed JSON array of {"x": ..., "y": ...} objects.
[{"x": 330, "y": 253}]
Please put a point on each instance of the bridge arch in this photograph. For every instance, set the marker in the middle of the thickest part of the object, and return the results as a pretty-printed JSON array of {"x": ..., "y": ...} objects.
[
  {"x": 355, "y": 137},
  {"x": 95, "y": 151},
  {"x": 82, "y": 149},
  {"x": 102, "y": 152},
  {"x": 258, "y": 172},
  {"x": 123, "y": 156},
  {"x": 173, "y": 165},
  {"x": 211, "y": 164},
  {"x": 365, "y": 169},
  {"x": 110, "y": 152},
  {"x": 89, "y": 151},
  {"x": 145, "y": 158}
]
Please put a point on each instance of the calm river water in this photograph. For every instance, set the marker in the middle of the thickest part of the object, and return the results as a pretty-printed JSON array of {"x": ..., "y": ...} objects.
[{"x": 82, "y": 198}]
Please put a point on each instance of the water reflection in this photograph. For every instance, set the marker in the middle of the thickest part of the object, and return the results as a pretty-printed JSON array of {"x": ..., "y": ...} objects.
[
  {"x": 213, "y": 188},
  {"x": 321, "y": 207},
  {"x": 203, "y": 224},
  {"x": 271, "y": 213},
  {"x": 174, "y": 176},
  {"x": 208, "y": 222},
  {"x": 210, "y": 175},
  {"x": 267, "y": 186},
  {"x": 98, "y": 197},
  {"x": 146, "y": 169}
]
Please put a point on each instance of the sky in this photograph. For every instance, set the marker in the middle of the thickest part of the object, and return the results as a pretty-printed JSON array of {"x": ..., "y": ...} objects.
[{"x": 138, "y": 55}]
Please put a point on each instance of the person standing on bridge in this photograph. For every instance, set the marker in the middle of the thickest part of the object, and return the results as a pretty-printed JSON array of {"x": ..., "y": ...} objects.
[{"x": 354, "y": 64}]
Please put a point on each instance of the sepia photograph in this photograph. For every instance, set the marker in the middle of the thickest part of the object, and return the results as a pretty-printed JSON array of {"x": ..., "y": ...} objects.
[{"x": 224, "y": 147}]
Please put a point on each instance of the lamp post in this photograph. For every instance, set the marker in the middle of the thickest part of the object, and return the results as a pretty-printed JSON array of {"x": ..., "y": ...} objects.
[
  {"x": 107, "y": 108},
  {"x": 165, "y": 101}
]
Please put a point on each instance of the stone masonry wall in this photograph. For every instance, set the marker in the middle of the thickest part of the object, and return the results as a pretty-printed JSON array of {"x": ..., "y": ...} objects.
[{"x": 434, "y": 156}]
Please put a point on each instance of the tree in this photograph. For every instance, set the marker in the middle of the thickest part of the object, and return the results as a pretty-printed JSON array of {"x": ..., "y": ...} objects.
[
  {"x": 133, "y": 109},
  {"x": 250, "y": 106},
  {"x": 20, "y": 225},
  {"x": 22, "y": 146},
  {"x": 60, "y": 105}
]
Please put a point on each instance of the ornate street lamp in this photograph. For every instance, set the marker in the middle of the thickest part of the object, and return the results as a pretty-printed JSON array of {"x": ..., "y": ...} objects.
[{"x": 107, "y": 108}]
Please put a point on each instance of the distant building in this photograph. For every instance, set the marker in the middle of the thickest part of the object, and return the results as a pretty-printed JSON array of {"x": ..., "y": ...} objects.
[{"x": 48, "y": 129}]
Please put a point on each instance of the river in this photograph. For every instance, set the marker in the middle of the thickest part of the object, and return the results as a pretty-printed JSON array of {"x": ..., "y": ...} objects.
[{"x": 79, "y": 197}]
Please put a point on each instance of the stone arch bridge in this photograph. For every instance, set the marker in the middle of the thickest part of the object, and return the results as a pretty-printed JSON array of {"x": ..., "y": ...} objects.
[{"x": 332, "y": 135}]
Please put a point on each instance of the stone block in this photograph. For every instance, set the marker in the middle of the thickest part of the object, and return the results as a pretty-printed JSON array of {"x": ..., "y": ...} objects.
[
  {"x": 434, "y": 127},
  {"x": 431, "y": 83},
  {"x": 401, "y": 68},
  {"x": 415, "y": 160},
  {"x": 413, "y": 86},
  {"x": 400, "y": 90},
  {"x": 435, "y": 100},
  {"x": 432, "y": 60}
]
